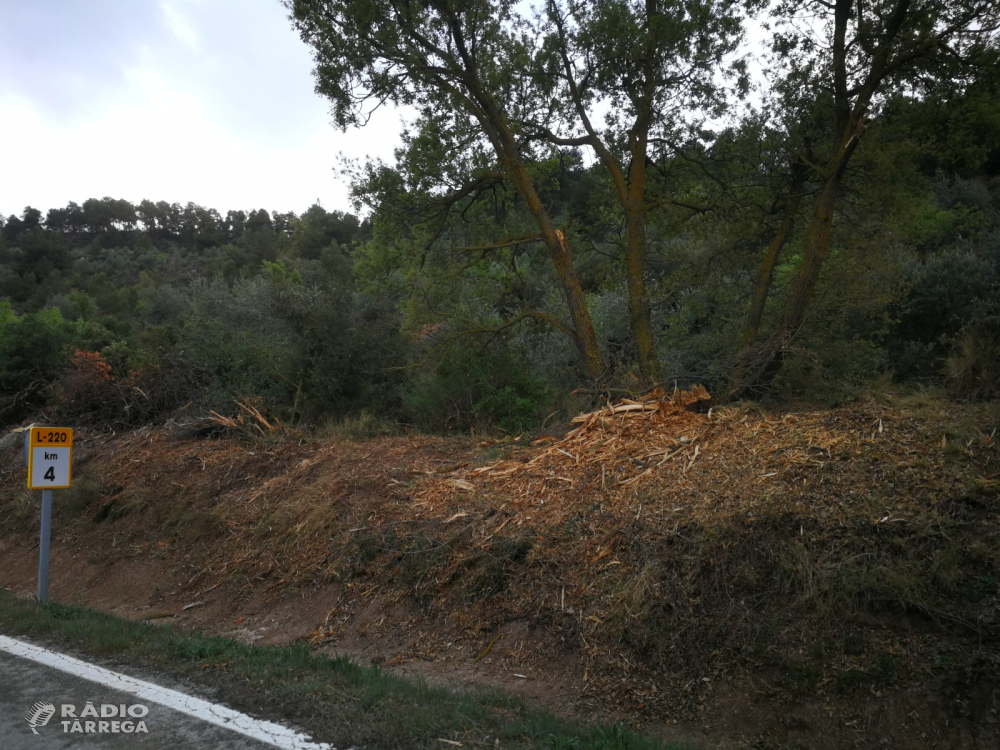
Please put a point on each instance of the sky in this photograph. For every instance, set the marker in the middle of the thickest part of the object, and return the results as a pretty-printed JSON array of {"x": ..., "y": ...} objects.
[{"x": 209, "y": 101}]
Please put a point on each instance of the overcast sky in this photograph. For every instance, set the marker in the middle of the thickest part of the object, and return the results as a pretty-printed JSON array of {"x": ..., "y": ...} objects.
[{"x": 208, "y": 101}]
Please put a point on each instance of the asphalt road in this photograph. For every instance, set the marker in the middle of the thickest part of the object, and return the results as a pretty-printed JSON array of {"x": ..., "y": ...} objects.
[{"x": 24, "y": 682}]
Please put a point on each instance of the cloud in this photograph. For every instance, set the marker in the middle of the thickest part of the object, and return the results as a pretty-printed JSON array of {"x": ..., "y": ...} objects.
[
  {"x": 180, "y": 25},
  {"x": 66, "y": 57},
  {"x": 210, "y": 102}
]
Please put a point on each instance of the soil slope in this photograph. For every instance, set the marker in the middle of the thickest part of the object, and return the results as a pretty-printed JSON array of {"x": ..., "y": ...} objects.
[{"x": 817, "y": 579}]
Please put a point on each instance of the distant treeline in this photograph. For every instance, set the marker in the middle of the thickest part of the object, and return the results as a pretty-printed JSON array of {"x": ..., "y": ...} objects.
[{"x": 118, "y": 220}]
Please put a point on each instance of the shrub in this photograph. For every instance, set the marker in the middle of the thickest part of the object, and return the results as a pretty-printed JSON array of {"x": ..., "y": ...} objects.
[
  {"x": 32, "y": 355},
  {"x": 92, "y": 392},
  {"x": 946, "y": 298},
  {"x": 466, "y": 389}
]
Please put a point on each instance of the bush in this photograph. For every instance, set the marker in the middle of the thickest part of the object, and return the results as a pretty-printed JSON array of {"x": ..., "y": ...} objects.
[
  {"x": 946, "y": 297},
  {"x": 309, "y": 349},
  {"x": 92, "y": 393},
  {"x": 32, "y": 355},
  {"x": 467, "y": 389}
]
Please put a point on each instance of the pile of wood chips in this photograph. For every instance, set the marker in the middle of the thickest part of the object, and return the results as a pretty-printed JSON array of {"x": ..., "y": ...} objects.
[
  {"x": 736, "y": 460},
  {"x": 617, "y": 446}
]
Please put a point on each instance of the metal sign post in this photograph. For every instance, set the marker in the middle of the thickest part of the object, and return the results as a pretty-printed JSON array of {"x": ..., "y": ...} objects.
[
  {"x": 48, "y": 453},
  {"x": 43, "y": 547}
]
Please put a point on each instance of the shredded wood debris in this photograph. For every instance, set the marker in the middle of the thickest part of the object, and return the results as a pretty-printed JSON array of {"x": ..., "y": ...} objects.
[
  {"x": 694, "y": 459},
  {"x": 661, "y": 514}
]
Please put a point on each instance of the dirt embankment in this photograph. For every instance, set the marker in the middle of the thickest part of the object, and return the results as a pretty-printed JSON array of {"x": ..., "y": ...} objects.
[{"x": 820, "y": 579}]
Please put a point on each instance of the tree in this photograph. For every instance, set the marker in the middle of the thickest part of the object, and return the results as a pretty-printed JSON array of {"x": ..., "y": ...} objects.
[
  {"x": 189, "y": 223},
  {"x": 75, "y": 220},
  {"x": 170, "y": 216},
  {"x": 659, "y": 61},
  {"x": 98, "y": 215},
  {"x": 32, "y": 218},
  {"x": 259, "y": 221},
  {"x": 462, "y": 66},
  {"x": 151, "y": 216},
  {"x": 210, "y": 227},
  {"x": 283, "y": 222},
  {"x": 235, "y": 224},
  {"x": 56, "y": 219},
  {"x": 840, "y": 62},
  {"x": 13, "y": 228},
  {"x": 316, "y": 230}
]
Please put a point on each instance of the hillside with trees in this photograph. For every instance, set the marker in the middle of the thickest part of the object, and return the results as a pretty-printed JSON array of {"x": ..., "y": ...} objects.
[
  {"x": 445, "y": 311},
  {"x": 565, "y": 212}
]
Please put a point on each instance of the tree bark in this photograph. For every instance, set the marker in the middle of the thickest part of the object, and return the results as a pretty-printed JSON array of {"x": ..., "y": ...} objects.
[
  {"x": 635, "y": 262},
  {"x": 760, "y": 367},
  {"x": 586, "y": 338},
  {"x": 638, "y": 298},
  {"x": 631, "y": 194},
  {"x": 766, "y": 278},
  {"x": 816, "y": 249},
  {"x": 744, "y": 372},
  {"x": 497, "y": 129}
]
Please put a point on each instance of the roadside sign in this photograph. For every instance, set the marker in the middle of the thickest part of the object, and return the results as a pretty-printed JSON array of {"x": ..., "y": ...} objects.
[{"x": 50, "y": 458}]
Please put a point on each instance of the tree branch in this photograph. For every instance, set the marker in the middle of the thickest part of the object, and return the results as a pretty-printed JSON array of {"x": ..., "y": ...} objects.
[
  {"x": 503, "y": 243},
  {"x": 523, "y": 315}
]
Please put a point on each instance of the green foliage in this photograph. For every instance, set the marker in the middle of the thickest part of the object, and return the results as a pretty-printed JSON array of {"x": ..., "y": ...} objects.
[
  {"x": 444, "y": 310},
  {"x": 278, "y": 273},
  {"x": 467, "y": 388},
  {"x": 943, "y": 294},
  {"x": 286, "y": 326},
  {"x": 7, "y": 314},
  {"x": 33, "y": 349}
]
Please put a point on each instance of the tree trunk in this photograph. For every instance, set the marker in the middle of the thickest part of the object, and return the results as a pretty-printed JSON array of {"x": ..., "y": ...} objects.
[
  {"x": 638, "y": 299},
  {"x": 766, "y": 278},
  {"x": 586, "y": 338},
  {"x": 758, "y": 366},
  {"x": 816, "y": 250},
  {"x": 759, "y": 369},
  {"x": 631, "y": 194},
  {"x": 505, "y": 147},
  {"x": 748, "y": 355},
  {"x": 635, "y": 266}
]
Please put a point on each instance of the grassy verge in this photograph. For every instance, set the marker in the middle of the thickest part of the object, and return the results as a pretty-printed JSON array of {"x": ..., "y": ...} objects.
[{"x": 334, "y": 699}]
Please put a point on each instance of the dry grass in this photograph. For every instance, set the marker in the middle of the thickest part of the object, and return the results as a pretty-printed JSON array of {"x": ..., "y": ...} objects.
[
  {"x": 25, "y": 503},
  {"x": 364, "y": 425}
]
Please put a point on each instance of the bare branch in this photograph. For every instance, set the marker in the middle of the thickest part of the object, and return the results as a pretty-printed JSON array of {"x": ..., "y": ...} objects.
[{"x": 503, "y": 243}]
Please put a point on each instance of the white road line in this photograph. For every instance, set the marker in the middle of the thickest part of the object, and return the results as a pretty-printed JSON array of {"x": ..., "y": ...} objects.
[{"x": 264, "y": 731}]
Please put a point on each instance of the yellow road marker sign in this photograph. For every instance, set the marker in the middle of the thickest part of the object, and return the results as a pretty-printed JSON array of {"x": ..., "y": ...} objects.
[{"x": 50, "y": 458}]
